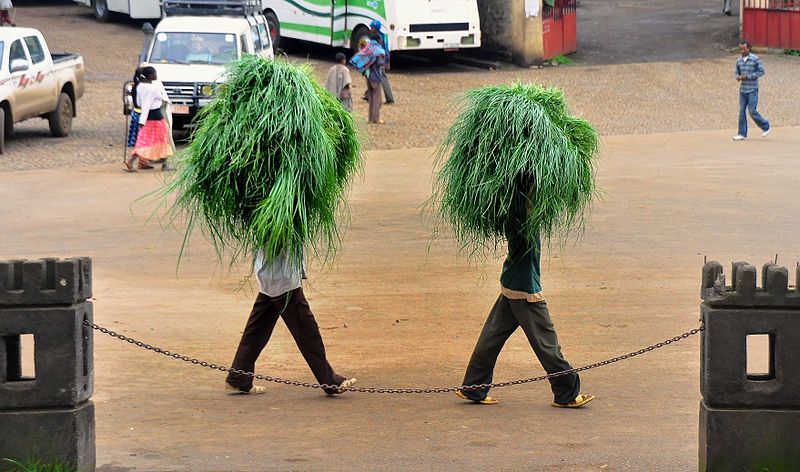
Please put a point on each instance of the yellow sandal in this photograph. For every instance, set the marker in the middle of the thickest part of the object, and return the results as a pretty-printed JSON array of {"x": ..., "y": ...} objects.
[
  {"x": 579, "y": 402},
  {"x": 486, "y": 401}
]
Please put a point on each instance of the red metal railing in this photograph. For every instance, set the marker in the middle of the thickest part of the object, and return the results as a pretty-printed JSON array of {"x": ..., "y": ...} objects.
[
  {"x": 772, "y": 23},
  {"x": 560, "y": 28}
]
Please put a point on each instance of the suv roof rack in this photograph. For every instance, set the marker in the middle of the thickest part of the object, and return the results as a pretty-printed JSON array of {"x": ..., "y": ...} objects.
[{"x": 212, "y": 7}]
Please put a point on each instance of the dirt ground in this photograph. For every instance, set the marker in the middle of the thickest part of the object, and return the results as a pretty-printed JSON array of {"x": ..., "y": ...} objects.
[
  {"x": 394, "y": 313},
  {"x": 400, "y": 310}
]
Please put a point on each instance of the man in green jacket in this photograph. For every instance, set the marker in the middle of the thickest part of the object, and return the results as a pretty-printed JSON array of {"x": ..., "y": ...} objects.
[{"x": 521, "y": 303}]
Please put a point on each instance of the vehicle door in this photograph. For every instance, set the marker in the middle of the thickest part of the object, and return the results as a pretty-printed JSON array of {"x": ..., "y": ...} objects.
[
  {"x": 119, "y": 6},
  {"x": 257, "y": 40},
  {"x": 44, "y": 95},
  {"x": 20, "y": 80},
  {"x": 338, "y": 22},
  {"x": 263, "y": 33},
  {"x": 144, "y": 8},
  {"x": 320, "y": 18}
]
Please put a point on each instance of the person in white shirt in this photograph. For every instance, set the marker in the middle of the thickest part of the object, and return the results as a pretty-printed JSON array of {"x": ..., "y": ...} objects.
[
  {"x": 281, "y": 295},
  {"x": 5, "y": 13},
  {"x": 154, "y": 140}
]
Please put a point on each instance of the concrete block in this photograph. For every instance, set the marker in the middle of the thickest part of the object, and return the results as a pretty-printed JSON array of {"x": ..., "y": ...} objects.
[
  {"x": 63, "y": 435},
  {"x": 749, "y": 440},
  {"x": 724, "y": 381},
  {"x": 63, "y": 353},
  {"x": 745, "y": 292},
  {"x": 45, "y": 282}
]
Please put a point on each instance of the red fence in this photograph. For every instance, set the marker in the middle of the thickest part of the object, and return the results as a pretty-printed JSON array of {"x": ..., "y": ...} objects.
[
  {"x": 772, "y": 23},
  {"x": 560, "y": 29}
]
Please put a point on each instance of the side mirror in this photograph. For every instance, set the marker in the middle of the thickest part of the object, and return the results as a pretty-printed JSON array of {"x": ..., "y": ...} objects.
[
  {"x": 19, "y": 65},
  {"x": 147, "y": 30}
]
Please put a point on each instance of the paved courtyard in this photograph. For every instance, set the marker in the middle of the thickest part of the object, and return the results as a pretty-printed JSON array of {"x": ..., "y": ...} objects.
[{"x": 698, "y": 93}]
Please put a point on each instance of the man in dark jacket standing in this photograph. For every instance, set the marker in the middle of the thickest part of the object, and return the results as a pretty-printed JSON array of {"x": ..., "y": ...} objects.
[{"x": 375, "y": 29}]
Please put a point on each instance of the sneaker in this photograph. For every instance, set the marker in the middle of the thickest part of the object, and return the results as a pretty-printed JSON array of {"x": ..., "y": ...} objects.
[
  {"x": 254, "y": 390},
  {"x": 739, "y": 137},
  {"x": 765, "y": 132}
]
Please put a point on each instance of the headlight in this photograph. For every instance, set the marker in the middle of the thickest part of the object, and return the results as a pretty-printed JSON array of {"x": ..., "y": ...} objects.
[
  {"x": 468, "y": 39},
  {"x": 207, "y": 90},
  {"x": 413, "y": 42}
]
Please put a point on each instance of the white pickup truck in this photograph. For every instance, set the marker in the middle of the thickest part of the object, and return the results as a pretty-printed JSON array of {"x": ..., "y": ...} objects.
[{"x": 35, "y": 83}]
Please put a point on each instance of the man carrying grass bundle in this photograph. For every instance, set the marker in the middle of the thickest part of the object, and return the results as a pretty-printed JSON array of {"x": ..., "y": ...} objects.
[
  {"x": 519, "y": 167},
  {"x": 266, "y": 174}
]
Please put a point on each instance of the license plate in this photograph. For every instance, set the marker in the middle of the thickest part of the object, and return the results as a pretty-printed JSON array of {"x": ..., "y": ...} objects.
[
  {"x": 451, "y": 47},
  {"x": 180, "y": 109}
]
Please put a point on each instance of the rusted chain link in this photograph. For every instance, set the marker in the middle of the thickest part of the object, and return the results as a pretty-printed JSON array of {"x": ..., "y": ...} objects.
[{"x": 296, "y": 383}]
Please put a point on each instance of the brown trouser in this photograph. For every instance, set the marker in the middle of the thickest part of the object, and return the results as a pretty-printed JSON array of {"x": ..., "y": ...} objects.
[
  {"x": 304, "y": 329},
  {"x": 375, "y": 99}
]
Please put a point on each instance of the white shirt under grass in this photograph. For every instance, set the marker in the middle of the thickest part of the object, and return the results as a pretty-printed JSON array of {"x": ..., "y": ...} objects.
[{"x": 280, "y": 275}]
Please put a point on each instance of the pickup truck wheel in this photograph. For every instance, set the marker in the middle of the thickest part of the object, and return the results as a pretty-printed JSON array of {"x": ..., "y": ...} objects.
[
  {"x": 61, "y": 119},
  {"x": 100, "y": 8},
  {"x": 2, "y": 131}
]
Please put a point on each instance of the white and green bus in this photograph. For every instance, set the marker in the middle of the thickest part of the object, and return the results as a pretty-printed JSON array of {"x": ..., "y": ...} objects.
[{"x": 410, "y": 25}]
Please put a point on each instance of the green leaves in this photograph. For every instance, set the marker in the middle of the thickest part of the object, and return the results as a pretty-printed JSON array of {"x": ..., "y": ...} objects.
[
  {"x": 269, "y": 163},
  {"x": 514, "y": 160}
]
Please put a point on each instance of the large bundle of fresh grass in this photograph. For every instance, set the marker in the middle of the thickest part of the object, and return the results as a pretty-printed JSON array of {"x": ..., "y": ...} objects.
[
  {"x": 515, "y": 160},
  {"x": 269, "y": 164}
]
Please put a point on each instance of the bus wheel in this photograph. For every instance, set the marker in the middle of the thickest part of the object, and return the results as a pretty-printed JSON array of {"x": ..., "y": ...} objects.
[
  {"x": 100, "y": 8},
  {"x": 362, "y": 32},
  {"x": 274, "y": 27}
]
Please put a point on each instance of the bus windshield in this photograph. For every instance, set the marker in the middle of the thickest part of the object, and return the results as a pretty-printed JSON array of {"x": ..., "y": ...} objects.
[{"x": 194, "y": 48}]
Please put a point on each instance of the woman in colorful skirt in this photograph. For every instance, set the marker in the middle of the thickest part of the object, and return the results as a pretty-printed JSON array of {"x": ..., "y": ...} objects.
[{"x": 153, "y": 140}]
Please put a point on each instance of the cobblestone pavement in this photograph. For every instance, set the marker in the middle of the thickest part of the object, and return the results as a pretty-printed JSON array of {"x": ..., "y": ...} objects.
[{"x": 697, "y": 94}]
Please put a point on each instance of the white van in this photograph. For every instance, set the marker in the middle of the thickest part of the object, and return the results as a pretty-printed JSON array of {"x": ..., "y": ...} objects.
[
  {"x": 191, "y": 47},
  {"x": 411, "y": 25}
]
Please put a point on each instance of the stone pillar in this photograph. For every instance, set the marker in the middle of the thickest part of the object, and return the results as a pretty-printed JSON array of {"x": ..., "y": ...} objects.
[
  {"x": 749, "y": 421},
  {"x": 49, "y": 416},
  {"x": 505, "y": 27}
]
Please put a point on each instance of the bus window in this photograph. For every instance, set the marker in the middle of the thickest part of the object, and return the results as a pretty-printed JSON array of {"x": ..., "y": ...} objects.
[{"x": 243, "y": 44}]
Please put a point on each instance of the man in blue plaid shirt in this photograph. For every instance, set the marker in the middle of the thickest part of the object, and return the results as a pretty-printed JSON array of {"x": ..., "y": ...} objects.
[{"x": 748, "y": 69}]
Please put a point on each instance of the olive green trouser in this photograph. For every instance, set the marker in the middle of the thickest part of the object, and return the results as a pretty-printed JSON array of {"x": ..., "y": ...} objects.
[{"x": 534, "y": 318}]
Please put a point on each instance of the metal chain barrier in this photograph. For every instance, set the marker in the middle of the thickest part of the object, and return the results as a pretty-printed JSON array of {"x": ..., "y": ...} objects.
[{"x": 334, "y": 388}]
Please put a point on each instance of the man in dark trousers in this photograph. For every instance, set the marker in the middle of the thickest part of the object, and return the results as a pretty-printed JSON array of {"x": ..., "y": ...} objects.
[
  {"x": 521, "y": 304},
  {"x": 375, "y": 32},
  {"x": 748, "y": 69},
  {"x": 281, "y": 295}
]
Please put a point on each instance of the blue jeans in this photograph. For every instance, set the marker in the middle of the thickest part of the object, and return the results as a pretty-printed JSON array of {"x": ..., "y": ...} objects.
[{"x": 750, "y": 101}]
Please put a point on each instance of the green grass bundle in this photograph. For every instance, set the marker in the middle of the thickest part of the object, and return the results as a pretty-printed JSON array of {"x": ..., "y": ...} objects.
[
  {"x": 515, "y": 160},
  {"x": 269, "y": 164}
]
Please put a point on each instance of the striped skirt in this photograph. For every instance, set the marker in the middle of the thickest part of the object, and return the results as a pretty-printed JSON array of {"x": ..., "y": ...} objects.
[{"x": 133, "y": 130}]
